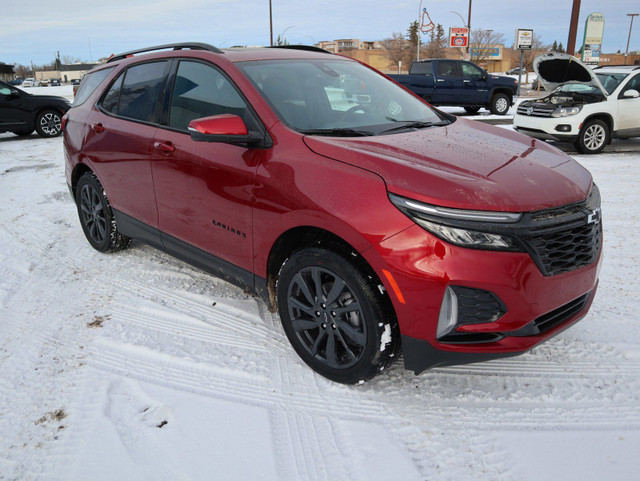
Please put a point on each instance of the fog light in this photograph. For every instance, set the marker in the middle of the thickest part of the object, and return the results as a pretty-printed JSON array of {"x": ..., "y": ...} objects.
[
  {"x": 563, "y": 128},
  {"x": 448, "y": 313}
]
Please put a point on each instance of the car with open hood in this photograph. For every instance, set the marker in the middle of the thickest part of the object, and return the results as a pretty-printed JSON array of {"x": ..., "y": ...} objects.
[
  {"x": 371, "y": 221},
  {"x": 588, "y": 107}
]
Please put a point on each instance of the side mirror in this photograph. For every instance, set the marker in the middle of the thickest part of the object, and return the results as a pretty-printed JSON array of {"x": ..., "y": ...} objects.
[
  {"x": 631, "y": 94},
  {"x": 225, "y": 128},
  {"x": 485, "y": 75}
]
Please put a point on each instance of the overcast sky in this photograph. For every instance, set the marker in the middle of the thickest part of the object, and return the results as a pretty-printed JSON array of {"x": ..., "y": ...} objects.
[{"x": 34, "y": 30}]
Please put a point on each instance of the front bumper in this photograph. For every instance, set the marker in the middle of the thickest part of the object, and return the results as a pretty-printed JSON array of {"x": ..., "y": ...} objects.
[
  {"x": 546, "y": 128},
  {"x": 424, "y": 266}
]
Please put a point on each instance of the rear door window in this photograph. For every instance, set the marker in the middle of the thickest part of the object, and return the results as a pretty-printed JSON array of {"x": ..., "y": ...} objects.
[
  {"x": 109, "y": 102},
  {"x": 202, "y": 91},
  {"x": 140, "y": 92},
  {"x": 421, "y": 68},
  {"x": 89, "y": 83},
  {"x": 448, "y": 69}
]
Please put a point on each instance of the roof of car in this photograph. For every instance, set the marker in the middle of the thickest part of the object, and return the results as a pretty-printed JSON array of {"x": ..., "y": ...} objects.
[{"x": 617, "y": 69}]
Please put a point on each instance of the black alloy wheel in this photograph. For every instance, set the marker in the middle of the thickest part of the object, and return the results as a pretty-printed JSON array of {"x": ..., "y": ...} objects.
[
  {"x": 96, "y": 216},
  {"x": 336, "y": 317}
]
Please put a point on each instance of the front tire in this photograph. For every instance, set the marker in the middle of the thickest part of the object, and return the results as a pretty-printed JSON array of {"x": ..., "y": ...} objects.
[
  {"x": 49, "y": 123},
  {"x": 96, "y": 216},
  {"x": 335, "y": 316},
  {"x": 593, "y": 137},
  {"x": 499, "y": 104}
]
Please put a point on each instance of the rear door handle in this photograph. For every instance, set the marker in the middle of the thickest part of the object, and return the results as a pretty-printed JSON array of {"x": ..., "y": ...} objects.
[
  {"x": 97, "y": 128},
  {"x": 164, "y": 147}
]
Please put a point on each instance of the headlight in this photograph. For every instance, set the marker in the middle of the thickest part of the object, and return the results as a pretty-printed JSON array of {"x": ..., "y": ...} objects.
[
  {"x": 466, "y": 228},
  {"x": 566, "y": 111}
]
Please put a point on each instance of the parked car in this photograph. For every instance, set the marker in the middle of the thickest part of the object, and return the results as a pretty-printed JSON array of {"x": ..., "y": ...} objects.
[
  {"x": 586, "y": 107},
  {"x": 21, "y": 112},
  {"x": 516, "y": 71},
  {"x": 55, "y": 82},
  {"x": 75, "y": 81},
  {"x": 534, "y": 84},
  {"x": 30, "y": 82},
  {"x": 17, "y": 81},
  {"x": 459, "y": 83},
  {"x": 370, "y": 228}
]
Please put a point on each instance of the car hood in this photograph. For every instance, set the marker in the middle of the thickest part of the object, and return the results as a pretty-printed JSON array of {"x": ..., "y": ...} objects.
[
  {"x": 554, "y": 69},
  {"x": 467, "y": 165}
]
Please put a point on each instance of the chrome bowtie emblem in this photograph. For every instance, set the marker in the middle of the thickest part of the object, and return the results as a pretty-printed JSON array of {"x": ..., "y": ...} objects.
[
  {"x": 529, "y": 110},
  {"x": 594, "y": 217}
]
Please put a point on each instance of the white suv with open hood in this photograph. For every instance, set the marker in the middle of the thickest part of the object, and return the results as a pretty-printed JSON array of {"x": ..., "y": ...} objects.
[{"x": 587, "y": 107}]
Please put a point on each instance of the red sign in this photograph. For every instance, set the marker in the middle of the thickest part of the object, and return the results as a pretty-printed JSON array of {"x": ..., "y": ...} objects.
[{"x": 458, "y": 37}]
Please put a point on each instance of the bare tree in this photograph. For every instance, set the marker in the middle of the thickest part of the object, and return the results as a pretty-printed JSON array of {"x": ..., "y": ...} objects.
[
  {"x": 436, "y": 47},
  {"x": 396, "y": 49},
  {"x": 482, "y": 42},
  {"x": 21, "y": 71}
]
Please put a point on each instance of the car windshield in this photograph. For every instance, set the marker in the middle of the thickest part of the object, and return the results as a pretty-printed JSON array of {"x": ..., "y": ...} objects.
[
  {"x": 579, "y": 88},
  {"x": 610, "y": 81},
  {"x": 337, "y": 97}
]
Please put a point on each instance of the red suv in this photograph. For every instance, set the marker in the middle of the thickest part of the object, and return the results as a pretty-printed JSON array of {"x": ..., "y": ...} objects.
[{"x": 370, "y": 220}]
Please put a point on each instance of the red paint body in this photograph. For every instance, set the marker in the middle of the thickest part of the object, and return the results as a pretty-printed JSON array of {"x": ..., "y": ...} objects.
[{"x": 163, "y": 178}]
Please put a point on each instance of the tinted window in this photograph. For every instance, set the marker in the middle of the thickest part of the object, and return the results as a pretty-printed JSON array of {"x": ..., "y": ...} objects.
[
  {"x": 471, "y": 71},
  {"x": 4, "y": 89},
  {"x": 89, "y": 83},
  {"x": 110, "y": 100},
  {"x": 634, "y": 84},
  {"x": 202, "y": 91},
  {"x": 421, "y": 68},
  {"x": 448, "y": 69},
  {"x": 140, "y": 91}
]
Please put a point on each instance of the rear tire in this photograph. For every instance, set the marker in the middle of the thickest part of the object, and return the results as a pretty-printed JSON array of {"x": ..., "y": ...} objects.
[
  {"x": 96, "y": 216},
  {"x": 593, "y": 137},
  {"x": 335, "y": 316},
  {"x": 472, "y": 110},
  {"x": 49, "y": 123},
  {"x": 499, "y": 104}
]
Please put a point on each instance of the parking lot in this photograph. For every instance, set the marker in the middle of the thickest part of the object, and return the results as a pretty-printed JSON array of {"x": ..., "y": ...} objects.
[{"x": 113, "y": 362}]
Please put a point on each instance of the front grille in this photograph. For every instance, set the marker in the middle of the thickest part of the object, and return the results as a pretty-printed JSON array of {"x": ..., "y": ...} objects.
[
  {"x": 535, "y": 110},
  {"x": 565, "y": 238},
  {"x": 551, "y": 319},
  {"x": 568, "y": 249}
]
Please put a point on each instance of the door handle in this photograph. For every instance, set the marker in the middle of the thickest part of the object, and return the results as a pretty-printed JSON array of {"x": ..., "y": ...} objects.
[
  {"x": 467, "y": 81},
  {"x": 97, "y": 128},
  {"x": 164, "y": 147},
  {"x": 440, "y": 80}
]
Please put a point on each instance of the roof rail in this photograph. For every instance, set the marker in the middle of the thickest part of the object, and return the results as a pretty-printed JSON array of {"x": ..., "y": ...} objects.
[
  {"x": 174, "y": 46},
  {"x": 309, "y": 48},
  {"x": 632, "y": 67}
]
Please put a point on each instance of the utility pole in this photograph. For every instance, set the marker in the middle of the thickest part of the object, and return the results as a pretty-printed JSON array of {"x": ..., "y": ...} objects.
[
  {"x": 469, "y": 27},
  {"x": 419, "y": 31},
  {"x": 573, "y": 27},
  {"x": 270, "y": 24},
  {"x": 626, "y": 53}
]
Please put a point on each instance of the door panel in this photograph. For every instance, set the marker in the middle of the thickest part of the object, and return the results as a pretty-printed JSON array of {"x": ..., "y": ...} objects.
[
  {"x": 13, "y": 111},
  {"x": 475, "y": 86},
  {"x": 629, "y": 108},
  {"x": 449, "y": 86},
  {"x": 204, "y": 190}
]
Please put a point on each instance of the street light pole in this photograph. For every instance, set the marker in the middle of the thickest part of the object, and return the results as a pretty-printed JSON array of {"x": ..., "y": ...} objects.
[
  {"x": 469, "y": 27},
  {"x": 626, "y": 53},
  {"x": 284, "y": 31},
  {"x": 418, "y": 32},
  {"x": 270, "y": 24}
]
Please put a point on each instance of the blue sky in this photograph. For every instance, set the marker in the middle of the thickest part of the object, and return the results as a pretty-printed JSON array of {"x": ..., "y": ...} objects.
[{"x": 35, "y": 30}]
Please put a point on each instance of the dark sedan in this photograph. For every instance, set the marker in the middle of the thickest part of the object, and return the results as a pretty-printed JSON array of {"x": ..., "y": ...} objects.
[{"x": 21, "y": 112}]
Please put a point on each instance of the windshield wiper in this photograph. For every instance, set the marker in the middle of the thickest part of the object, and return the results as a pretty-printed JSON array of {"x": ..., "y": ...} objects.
[
  {"x": 417, "y": 124},
  {"x": 338, "y": 132}
]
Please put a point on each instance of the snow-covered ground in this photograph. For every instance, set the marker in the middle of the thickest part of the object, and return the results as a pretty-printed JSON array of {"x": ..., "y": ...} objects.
[{"x": 136, "y": 366}]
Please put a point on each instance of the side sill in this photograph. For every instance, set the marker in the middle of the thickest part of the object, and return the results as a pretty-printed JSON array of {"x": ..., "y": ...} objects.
[{"x": 192, "y": 255}]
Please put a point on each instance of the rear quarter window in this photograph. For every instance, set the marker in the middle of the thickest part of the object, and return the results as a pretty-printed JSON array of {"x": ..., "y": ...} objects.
[{"x": 89, "y": 83}]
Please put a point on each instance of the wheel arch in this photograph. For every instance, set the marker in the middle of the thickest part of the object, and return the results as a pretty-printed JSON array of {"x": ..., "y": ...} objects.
[
  {"x": 301, "y": 237},
  {"x": 605, "y": 117},
  {"x": 501, "y": 90},
  {"x": 78, "y": 171}
]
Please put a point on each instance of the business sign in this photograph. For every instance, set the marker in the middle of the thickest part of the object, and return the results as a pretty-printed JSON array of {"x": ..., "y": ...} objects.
[
  {"x": 458, "y": 37},
  {"x": 524, "y": 39},
  {"x": 593, "y": 33},
  {"x": 487, "y": 53}
]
